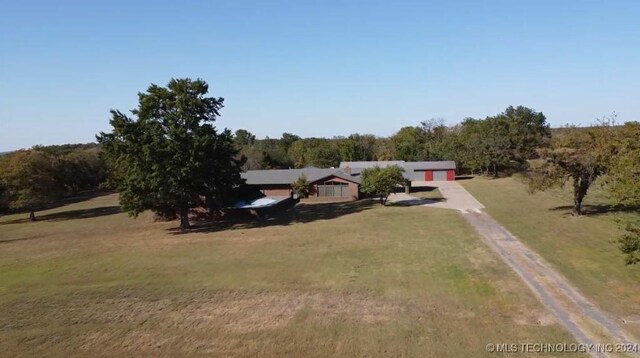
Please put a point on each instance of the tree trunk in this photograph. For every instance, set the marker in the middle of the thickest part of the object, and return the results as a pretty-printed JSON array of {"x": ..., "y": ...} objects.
[
  {"x": 580, "y": 187},
  {"x": 577, "y": 207},
  {"x": 184, "y": 219},
  {"x": 381, "y": 200},
  {"x": 495, "y": 171},
  {"x": 32, "y": 216}
]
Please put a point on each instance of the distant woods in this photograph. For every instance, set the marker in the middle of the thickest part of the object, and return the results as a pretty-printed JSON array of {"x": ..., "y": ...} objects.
[
  {"x": 35, "y": 178},
  {"x": 498, "y": 144}
]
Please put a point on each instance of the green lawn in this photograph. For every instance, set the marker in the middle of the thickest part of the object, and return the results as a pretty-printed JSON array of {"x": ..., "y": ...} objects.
[
  {"x": 349, "y": 279},
  {"x": 582, "y": 248}
]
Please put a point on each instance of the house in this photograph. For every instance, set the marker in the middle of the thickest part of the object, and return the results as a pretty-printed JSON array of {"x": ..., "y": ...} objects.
[
  {"x": 326, "y": 184},
  {"x": 338, "y": 184},
  {"x": 413, "y": 171}
]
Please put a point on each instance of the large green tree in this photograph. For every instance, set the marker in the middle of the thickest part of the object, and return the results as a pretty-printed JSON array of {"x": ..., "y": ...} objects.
[
  {"x": 623, "y": 184},
  {"x": 243, "y": 137},
  {"x": 31, "y": 181},
  {"x": 357, "y": 147},
  {"x": 321, "y": 152},
  {"x": 579, "y": 156},
  {"x": 501, "y": 143},
  {"x": 409, "y": 144},
  {"x": 169, "y": 157}
]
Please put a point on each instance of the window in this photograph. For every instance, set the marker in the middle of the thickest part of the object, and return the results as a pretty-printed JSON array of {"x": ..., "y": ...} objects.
[{"x": 331, "y": 188}]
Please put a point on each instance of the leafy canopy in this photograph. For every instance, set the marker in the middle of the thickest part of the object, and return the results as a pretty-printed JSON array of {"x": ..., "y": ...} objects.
[
  {"x": 579, "y": 155},
  {"x": 30, "y": 179},
  {"x": 170, "y": 158},
  {"x": 382, "y": 181}
]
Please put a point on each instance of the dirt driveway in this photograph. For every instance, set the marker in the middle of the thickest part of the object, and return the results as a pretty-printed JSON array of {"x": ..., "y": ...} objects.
[{"x": 586, "y": 322}]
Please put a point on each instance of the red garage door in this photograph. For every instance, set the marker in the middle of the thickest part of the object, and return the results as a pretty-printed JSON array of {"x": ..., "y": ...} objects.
[
  {"x": 428, "y": 175},
  {"x": 451, "y": 175}
]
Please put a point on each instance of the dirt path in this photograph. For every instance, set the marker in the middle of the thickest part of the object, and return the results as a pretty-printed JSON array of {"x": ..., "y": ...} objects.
[{"x": 586, "y": 322}]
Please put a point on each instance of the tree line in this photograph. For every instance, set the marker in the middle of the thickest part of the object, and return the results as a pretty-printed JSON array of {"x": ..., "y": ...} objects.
[
  {"x": 495, "y": 144},
  {"x": 36, "y": 178}
]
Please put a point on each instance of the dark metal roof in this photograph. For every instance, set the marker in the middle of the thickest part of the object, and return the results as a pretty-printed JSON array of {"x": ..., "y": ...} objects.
[
  {"x": 371, "y": 164},
  {"x": 356, "y": 167},
  {"x": 430, "y": 165},
  {"x": 288, "y": 176}
]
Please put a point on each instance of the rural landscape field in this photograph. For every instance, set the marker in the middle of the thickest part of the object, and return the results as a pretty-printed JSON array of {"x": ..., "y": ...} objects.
[
  {"x": 86, "y": 278},
  {"x": 319, "y": 179}
]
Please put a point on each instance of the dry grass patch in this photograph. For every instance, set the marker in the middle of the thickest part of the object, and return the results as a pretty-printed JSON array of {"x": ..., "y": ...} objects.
[{"x": 348, "y": 279}]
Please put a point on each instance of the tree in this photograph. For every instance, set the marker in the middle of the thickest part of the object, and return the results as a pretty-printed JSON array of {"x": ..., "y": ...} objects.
[
  {"x": 80, "y": 169},
  {"x": 409, "y": 144},
  {"x": 436, "y": 138},
  {"x": 170, "y": 158},
  {"x": 244, "y": 138},
  {"x": 382, "y": 181},
  {"x": 287, "y": 140},
  {"x": 622, "y": 182},
  {"x": 357, "y": 147},
  {"x": 348, "y": 148},
  {"x": 579, "y": 156},
  {"x": 4, "y": 197},
  {"x": 30, "y": 180},
  {"x": 297, "y": 154},
  {"x": 504, "y": 142},
  {"x": 321, "y": 152},
  {"x": 528, "y": 131},
  {"x": 623, "y": 167},
  {"x": 274, "y": 155},
  {"x": 301, "y": 186},
  {"x": 384, "y": 149}
]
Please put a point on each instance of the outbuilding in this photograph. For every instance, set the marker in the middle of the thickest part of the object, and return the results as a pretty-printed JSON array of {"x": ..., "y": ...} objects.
[
  {"x": 413, "y": 171},
  {"x": 431, "y": 170}
]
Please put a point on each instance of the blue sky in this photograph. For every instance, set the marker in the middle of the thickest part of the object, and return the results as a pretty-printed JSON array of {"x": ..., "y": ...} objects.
[{"x": 315, "y": 68}]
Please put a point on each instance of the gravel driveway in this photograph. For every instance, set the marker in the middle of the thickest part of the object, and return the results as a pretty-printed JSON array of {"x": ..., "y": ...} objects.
[{"x": 586, "y": 322}]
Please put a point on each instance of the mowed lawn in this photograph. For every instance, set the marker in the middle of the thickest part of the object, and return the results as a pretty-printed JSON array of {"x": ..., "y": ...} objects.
[
  {"x": 581, "y": 248},
  {"x": 350, "y": 279}
]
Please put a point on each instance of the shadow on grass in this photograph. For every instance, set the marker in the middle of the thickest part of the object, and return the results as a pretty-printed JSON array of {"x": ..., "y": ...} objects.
[
  {"x": 20, "y": 239},
  {"x": 77, "y": 198},
  {"x": 416, "y": 202},
  {"x": 600, "y": 209},
  {"x": 421, "y": 189},
  {"x": 464, "y": 177},
  {"x": 301, "y": 213},
  {"x": 69, "y": 215}
]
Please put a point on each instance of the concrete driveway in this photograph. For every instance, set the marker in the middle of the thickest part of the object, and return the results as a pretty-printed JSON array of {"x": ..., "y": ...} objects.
[{"x": 456, "y": 197}]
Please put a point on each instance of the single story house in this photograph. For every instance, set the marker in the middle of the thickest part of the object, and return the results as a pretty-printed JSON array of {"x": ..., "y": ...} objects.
[
  {"x": 413, "y": 171},
  {"x": 333, "y": 184},
  {"x": 326, "y": 184}
]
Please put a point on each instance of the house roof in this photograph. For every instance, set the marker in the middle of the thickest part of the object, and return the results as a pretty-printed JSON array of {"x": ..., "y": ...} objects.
[
  {"x": 288, "y": 176},
  {"x": 356, "y": 167},
  {"x": 371, "y": 164},
  {"x": 430, "y": 165}
]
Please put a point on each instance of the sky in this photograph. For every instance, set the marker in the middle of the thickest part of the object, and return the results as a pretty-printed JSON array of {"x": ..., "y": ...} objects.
[{"x": 315, "y": 68}]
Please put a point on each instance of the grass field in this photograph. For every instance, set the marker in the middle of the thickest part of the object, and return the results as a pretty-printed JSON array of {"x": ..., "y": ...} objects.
[
  {"x": 350, "y": 279},
  {"x": 581, "y": 248}
]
